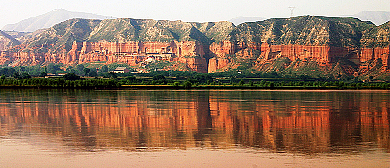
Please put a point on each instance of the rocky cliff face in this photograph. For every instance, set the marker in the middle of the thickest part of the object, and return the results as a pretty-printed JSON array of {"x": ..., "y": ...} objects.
[
  {"x": 322, "y": 40},
  {"x": 135, "y": 53},
  {"x": 131, "y": 41},
  {"x": 210, "y": 47}
]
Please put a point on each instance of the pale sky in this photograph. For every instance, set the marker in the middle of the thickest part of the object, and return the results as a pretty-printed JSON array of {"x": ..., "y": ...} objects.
[{"x": 13, "y": 11}]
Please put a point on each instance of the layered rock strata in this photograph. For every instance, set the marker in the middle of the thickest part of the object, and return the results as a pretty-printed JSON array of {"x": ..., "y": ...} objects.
[
  {"x": 206, "y": 47},
  {"x": 134, "y": 53},
  {"x": 324, "y": 55}
]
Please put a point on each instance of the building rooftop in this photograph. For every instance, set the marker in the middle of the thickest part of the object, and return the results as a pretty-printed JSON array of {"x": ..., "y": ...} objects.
[{"x": 120, "y": 68}]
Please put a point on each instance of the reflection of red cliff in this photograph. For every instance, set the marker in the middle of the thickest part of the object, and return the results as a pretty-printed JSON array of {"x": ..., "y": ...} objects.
[
  {"x": 177, "y": 123},
  {"x": 265, "y": 126}
]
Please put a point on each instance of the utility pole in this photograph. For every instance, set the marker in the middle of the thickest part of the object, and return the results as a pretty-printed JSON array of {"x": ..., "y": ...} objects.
[{"x": 292, "y": 10}]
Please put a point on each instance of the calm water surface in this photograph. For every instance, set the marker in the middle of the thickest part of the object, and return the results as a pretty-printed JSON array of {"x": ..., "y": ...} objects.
[{"x": 196, "y": 128}]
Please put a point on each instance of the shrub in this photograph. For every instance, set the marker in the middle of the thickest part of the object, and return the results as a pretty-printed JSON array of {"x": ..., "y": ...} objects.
[{"x": 187, "y": 84}]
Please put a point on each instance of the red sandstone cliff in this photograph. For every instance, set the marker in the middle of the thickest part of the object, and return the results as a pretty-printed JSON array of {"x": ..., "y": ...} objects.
[
  {"x": 216, "y": 64},
  {"x": 324, "y": 55},
  {"x": 367, "y": 54},
  {"x": 133, "y": 53},
  {"x": 205, "y": 47},
  {"x": 192, "y": 54},
  {"x": 222, "y": 49}
]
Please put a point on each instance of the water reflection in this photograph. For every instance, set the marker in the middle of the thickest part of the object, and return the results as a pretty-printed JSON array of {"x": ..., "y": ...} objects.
[{"x": 308, "y": 122}]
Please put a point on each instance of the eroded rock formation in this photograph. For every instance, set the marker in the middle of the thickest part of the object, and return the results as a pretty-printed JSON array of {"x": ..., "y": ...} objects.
[
  {"x": 134, "y": 53},
  {"x": 207, "y": 47},
  {"x": 324, "y": 55}
]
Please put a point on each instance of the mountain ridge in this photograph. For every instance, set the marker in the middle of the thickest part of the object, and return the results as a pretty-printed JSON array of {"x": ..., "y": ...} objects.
[
  {"x": 48, "y": 20},
  {"x": 7, "y": 41},
  {"x": 342, "y": 45}
]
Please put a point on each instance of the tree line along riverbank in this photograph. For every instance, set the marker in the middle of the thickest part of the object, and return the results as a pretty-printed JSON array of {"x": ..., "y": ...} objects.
[{"x": 200, "y": 81}]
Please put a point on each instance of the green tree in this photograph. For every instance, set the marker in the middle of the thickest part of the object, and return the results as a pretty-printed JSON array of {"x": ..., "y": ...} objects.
[
  {"x": 370, "y": 78},
  {"x": 93, "y": 73},
  {"x": 42, "y": 74},
  {"x": 25, "y": 75},
  {"x": 16, "y": 75},
  {"x": 80, "y": 68},
  {"x": 7, "y": 71},
  {"x": 187, "y": 84},
  {"x": 158, "y": 77},
  {"x": 52, "y": 68},
  {"x": 130, "y": 80},
  {"x": 71, "y": 76},
  {"x": 271, "y": 84},
  {"x": 113, "y": 75},
  {"x": 241, "y": 82},
  {"x": 86, "y": 71},
  {"x": 104, "y": 68},
  {"x": 69, "y": 68},
  {"x": 250, "y": 83},
  {"x": 233, "y": 80}
]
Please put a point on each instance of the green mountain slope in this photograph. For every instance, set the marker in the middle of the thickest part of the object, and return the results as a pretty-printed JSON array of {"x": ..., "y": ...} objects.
[
  {"x": 61, "y": 36},
  {"x": 7, "y": 40},
  {"x": 377, "y": 36},
  {"x": 304, "y": 30}
]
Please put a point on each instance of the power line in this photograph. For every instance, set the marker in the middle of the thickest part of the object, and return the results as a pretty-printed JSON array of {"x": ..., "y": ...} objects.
[{"x": 292, "y": 10}]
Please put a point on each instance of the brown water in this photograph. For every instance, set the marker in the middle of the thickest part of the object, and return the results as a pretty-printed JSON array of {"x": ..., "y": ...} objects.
[{"x": 207, "y": 128}]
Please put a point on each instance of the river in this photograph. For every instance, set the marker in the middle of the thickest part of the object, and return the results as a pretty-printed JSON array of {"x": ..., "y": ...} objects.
[{"x": 194, "y": 128}]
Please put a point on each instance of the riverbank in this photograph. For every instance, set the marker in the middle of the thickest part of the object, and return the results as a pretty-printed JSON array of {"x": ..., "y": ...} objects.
[
  {"x": 200, "y": 87},
  {"x": 101, "y": 83},
  {"x": 249, "y": 87}
]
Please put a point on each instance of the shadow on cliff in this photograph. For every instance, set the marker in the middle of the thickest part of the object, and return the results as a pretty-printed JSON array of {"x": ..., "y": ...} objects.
[{"x": 204, "y": 40}]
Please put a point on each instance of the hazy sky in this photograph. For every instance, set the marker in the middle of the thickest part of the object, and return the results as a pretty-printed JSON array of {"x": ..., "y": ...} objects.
[{"x": 13, "y": 11}]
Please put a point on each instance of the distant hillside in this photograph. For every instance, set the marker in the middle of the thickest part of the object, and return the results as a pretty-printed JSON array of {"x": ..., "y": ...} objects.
[
  {"x": 127, "y": 29},
  {"x": 48, "y": 20},
  {"x": 304, "y": 30},
  {"x": 377, "y": 17},
  {"x": 241, "y": 19},
  {"x": 7, "y": 41},
  {"x": 377, "y": 37},
  {"x": 21, "y": 36}
]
